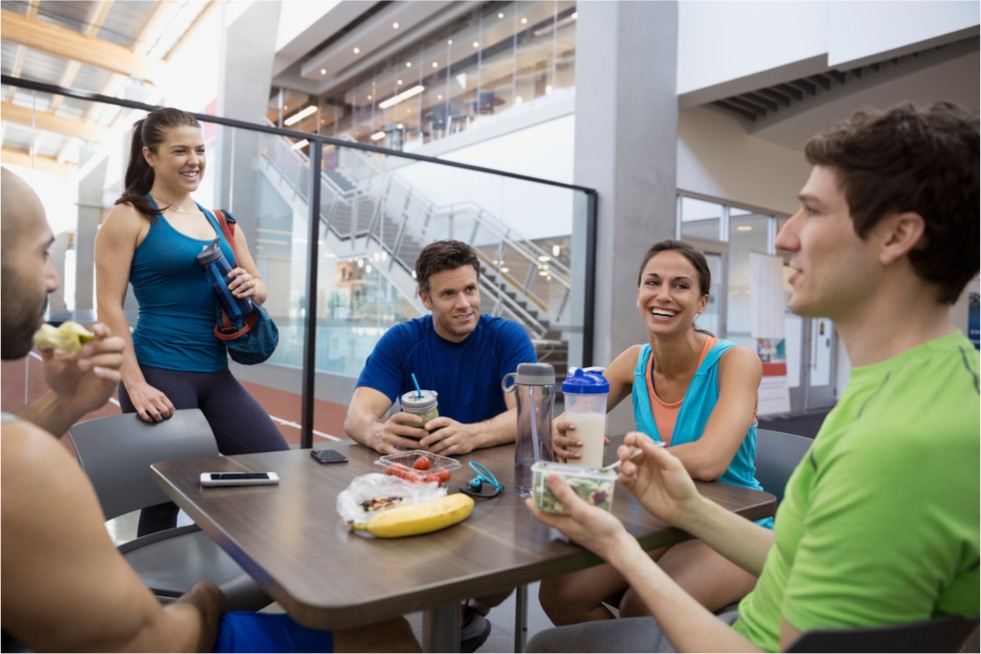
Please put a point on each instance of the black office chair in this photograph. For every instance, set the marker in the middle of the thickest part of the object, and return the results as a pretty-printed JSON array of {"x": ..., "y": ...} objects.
[
  {"x": 777, "y": 454},
  {"x": 116, "y": 452},
  {"x": 943, "y": 634}
]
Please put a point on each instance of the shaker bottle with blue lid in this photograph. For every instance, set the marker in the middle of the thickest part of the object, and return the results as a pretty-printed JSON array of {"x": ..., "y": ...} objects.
[
  {"x": 585, "y": 392},
  {"x": 216, "y": 269},
  {"x": 534, "y": 391}
]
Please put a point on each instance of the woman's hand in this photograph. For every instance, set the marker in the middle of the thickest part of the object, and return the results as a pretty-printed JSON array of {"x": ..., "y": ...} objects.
[
  {"x": 151, "y": 404},
  {"x": 566, "y": 447},
  {"x": 657, "y": 479},
  {"x": 243, "y": 284}
]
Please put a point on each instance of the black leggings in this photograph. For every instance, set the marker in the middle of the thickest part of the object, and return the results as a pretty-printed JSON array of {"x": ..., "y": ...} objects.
[{"x": 240, "y": 424}]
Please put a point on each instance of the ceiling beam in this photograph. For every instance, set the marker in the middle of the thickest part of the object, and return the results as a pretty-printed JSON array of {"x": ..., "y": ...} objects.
[
  {"x": 52, "y": 123},
  {"x": 69, "y": 44},
  {"x": 11, "y": 157}
]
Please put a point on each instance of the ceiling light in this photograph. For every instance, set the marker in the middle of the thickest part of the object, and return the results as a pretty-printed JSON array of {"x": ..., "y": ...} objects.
[
  {"x": 408, "y": 64},
  {"x": 524, "y": 21},
  {"x": 395, "y": 26},
  {"x": 300, "y": 144},
  {"x": 439, "y": 97},
  {"x": 369, "y": 97},
  {"x": 476, "y": 44},
  {"x": 505, "y": 269},
  {"x": 500, "y": 15},
  {"x": 404, "y": 95},
  {"x": 435, "y": 65},
  {"x": 543, "y": 257},
  {"x": 357, "y": 51},
  {"x": 400, "y": 82},
  {"x": 556, "y": 250},
  {"x": 323, "y": 71},
  {"x": 575, "y": 15},
  {"x": 377, "y": 136},
  {"x": 300, "y": 115},
  {"x": 400, "y": 126},
  {"x": 744, "y": 228},
  {"x": 518, "y": 100},
  {"x": 449, "y": 42}
]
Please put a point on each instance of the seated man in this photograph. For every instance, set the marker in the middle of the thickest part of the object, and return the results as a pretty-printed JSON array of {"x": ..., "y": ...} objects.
[
  {"x": 457, "y": 352},
  {"x": 461, "y": 355},
  {"x": 65, "y": 587},
  {"x": 879, "y": 523}
]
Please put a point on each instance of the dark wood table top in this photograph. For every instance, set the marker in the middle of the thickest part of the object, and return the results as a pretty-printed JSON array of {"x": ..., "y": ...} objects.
[{"x": 291, "y": 539}]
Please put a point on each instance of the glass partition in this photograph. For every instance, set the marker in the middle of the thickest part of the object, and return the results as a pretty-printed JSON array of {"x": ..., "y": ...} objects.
[{"x": 376, "y": 211}]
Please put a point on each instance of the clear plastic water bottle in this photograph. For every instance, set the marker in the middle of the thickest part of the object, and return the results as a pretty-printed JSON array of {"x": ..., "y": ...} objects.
[
  {"x": 534, "y": 389},
  {"x": 216, "y": 269}
]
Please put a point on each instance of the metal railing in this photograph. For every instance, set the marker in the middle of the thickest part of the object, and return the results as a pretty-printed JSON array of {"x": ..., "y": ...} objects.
[{"x": 370, "y": 204}]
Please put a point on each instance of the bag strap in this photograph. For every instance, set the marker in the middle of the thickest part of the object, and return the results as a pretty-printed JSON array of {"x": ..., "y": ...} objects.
[
  {"x": 226, "y": 330},
  {"x": 228, "y": 229}
]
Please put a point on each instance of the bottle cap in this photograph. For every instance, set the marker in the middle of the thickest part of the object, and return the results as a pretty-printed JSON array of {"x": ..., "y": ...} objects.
[
  {"x": 418, "y": 400},
  {"x": 535, "y": 374},
  {"x": 585, "y": 382},
  {"x": 209, "y": 253}
]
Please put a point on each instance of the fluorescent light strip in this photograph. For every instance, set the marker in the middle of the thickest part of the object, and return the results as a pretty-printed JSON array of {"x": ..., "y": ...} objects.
[
  {"x": 300, "y": 144},
  {"x": 297, "y": 117},
  {"x": 404, "y": 95},
  {"x": 377, "y": 136}
]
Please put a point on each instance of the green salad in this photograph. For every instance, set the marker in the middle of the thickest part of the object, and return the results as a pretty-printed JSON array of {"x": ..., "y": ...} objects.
[{"x": 596, "y": 490}]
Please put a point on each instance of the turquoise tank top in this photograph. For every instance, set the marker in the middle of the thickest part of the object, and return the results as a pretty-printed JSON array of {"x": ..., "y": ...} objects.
[
  {"x": 696, "y": 407},
  {"x": 177, "y": 308}
]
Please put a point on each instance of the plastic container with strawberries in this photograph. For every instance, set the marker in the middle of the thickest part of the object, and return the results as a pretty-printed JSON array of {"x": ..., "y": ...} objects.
[{"x": 419, "y": 466}]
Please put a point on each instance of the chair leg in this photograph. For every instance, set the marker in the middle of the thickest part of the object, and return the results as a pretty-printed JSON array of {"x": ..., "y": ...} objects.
[{"x": 520, "y": 618}]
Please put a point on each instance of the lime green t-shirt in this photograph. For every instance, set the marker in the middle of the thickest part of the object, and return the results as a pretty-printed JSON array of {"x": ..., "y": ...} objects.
[{"x": 880, "y": 521}]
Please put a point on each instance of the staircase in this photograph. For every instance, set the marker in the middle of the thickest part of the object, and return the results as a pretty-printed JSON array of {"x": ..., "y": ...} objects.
[{"x": 366, "y": 209}]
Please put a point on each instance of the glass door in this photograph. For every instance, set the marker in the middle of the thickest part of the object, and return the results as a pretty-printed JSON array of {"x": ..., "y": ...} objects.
[{"x": 714, "y": 317}]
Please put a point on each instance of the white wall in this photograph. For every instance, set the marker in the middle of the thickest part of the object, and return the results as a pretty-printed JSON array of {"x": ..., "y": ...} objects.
[
  {"x": 727, "y": 47},
  {"x": 717, "y": 158}
]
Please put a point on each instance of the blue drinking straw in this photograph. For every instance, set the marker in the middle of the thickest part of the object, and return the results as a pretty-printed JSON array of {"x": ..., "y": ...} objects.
[{"x": 416, "y": 382}]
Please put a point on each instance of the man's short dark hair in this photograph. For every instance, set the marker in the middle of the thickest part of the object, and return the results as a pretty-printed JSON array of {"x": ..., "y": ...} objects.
[
  {"x": 443, "y": 255},
  {"x": 920, "y": 160}
]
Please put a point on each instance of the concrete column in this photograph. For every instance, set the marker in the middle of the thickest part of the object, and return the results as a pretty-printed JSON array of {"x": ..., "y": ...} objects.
[
  {"x": 90, "y": 212},
  {"x": 626, "y": 142},
  {"x": 247, "y": 56}
]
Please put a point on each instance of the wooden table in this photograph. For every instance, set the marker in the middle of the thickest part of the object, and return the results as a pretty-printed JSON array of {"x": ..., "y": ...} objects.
[{"x": 292, "y": 541}]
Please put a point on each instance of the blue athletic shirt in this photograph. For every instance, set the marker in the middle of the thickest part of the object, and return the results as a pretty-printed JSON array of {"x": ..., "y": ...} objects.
[
  {"x": 696, "y": 407},
  {"x": 466, "y": 376},
  {"x": 175, "y": 328}
]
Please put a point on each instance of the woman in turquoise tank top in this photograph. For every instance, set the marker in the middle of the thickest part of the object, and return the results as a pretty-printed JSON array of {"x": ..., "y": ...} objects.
[
  {"x": 697, "y": 394},
  {"x": 150, "y": 240}
]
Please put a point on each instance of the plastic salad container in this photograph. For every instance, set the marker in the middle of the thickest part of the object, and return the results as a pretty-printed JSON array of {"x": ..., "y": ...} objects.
[
  {"x": 419, "y": 466},
  {"x": 593, "y": 485}
]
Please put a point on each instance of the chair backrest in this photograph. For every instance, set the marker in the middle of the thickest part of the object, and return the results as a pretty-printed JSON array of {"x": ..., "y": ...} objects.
[
  {"x": 944, "y": 634},
  {"x": 777, "y": 454},
  {"x": 116, "y": 453}
]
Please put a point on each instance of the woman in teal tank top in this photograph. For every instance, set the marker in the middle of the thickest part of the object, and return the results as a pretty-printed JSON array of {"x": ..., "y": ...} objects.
[
  {"x": 705, "y": 395},
  {"x": 150, "y": 240}
]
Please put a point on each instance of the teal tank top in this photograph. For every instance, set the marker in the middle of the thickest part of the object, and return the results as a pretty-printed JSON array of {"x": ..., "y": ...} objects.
[
  {"x": 696, "y": 407},
  {"x": 177, "y": 308}
]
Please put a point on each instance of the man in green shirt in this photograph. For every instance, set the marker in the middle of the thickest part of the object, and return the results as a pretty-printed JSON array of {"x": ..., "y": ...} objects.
[{"x": 879, "y": 523}]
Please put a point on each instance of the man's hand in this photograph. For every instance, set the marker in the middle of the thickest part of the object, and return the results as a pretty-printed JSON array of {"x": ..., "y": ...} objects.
[
  {"x": 595, "y": 529},
  {"x": 398, "y": 430},
  {"x": 658, "y": 479},
  {"x": 449, "y": 437},
  {"x": 85, "y": 380}
]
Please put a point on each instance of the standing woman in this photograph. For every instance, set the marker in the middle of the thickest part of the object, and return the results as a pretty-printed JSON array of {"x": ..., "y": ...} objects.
[
  {"x": 150, "y": 240},
  {"x": 698, "y": 395}
]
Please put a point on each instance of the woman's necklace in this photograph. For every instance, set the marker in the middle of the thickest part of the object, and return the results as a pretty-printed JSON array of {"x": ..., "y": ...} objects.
[{"x": 170, "y": 205}]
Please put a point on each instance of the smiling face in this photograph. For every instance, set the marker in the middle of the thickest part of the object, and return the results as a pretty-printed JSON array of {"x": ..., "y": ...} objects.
[
  {"x": 454, "y": 299},
  {"x": 833, "y": 270},
  {"x": 669, "y": 296},
  {"x": 178, "y": 162}
]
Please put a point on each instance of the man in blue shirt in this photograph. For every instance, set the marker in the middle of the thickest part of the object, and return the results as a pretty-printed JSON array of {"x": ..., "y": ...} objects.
[
  {"x": 461, "y": 355},
  {"x": 457, "y": 352}
]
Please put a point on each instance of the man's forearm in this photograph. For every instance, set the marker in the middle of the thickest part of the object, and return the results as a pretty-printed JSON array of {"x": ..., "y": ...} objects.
[
  {"x": 742, "y": 541},
  {"x": 498, "y": 430},
  {"x": 50, "y": 413},
  {"x": 687, "y": 624}
]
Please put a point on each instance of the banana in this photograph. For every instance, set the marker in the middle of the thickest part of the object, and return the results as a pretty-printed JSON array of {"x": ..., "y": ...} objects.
[
  {"x": 420, "y": 518},
  {"x": 69, "y": 337}
]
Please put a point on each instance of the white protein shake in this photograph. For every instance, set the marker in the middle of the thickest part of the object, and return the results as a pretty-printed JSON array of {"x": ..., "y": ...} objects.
[{"x": 591, "y": 430}]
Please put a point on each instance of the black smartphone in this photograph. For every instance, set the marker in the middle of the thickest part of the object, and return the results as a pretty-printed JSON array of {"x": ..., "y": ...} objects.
[{"x": 328, "y": 456}]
